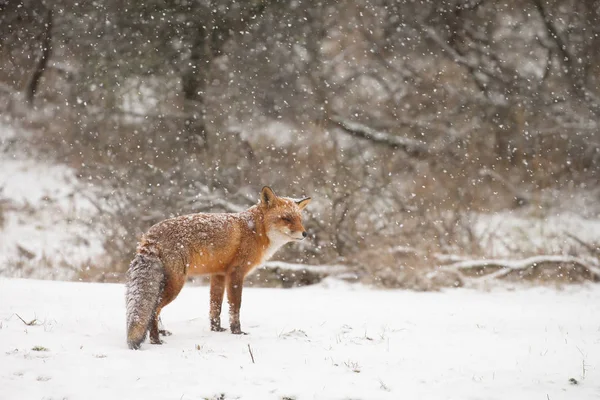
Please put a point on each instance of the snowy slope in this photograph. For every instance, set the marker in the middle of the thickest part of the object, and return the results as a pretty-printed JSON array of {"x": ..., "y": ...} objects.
[
  {"x": 510, "y": 233},
  {"x": 318, "y": 342},
  {"x": 44, "y": 229}
]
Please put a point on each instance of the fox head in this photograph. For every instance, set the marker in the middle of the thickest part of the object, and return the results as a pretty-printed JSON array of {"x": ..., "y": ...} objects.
[{"x": 282, "y": 216}]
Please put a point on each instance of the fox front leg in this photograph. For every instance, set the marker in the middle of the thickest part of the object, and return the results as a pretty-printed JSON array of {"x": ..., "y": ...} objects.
[
  {"x": 217, "y": 289},
  {"x": 234, "y": 296}
]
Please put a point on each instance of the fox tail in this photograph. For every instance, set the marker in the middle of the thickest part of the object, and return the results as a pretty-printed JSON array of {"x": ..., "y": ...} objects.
[{"x": 145, "y": 285}]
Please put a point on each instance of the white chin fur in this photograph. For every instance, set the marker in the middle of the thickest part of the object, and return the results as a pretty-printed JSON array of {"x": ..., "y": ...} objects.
[{"x": 277, "y": 240}]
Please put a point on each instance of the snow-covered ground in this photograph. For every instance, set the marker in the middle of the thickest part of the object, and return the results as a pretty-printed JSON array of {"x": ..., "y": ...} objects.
[
  {"x": 322, "y": 342},
  {"x": 45, "y": 229}
]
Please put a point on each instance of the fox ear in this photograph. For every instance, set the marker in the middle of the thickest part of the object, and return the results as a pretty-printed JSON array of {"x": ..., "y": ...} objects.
[
  {"x": 267, "y": 196},
  {"x": 303, "y": 203}
]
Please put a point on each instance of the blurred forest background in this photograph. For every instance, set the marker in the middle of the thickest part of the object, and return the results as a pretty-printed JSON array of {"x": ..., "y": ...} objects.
[{"x": 429, "y": 133}]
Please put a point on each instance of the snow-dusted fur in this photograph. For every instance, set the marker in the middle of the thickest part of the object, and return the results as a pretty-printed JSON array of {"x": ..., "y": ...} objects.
[
  {"x": 145, "y": 284},
  {"x": 227, "y": 246}
]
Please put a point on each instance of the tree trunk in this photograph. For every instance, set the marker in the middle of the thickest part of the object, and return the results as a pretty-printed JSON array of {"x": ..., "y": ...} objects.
[
  {"x": 194, "y": 89},
  {"x": 46, "y": 46}
]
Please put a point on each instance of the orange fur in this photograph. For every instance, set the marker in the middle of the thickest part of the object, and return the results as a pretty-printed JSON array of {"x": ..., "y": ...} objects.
[{"x": 228, "y": 245}]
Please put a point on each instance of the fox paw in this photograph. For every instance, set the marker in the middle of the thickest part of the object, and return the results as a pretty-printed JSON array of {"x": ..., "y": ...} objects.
[
  {"x": 165, "y": 332},
  {"x": 238, "y": 331},
  {"x": 217, "y": 329},
  {"x": 156, "y": 341}
]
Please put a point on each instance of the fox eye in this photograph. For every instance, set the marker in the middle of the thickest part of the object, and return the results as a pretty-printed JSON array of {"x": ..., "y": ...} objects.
[{"x": 286, "y": 219}]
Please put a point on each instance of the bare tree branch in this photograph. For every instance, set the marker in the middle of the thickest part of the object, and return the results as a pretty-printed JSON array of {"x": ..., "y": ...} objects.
[
  {"x": 594, "y": 249},
  {"x": 568, "y": 60},
  {"x": 410, "y": 146},
  {"x": 521, "y": 199}
]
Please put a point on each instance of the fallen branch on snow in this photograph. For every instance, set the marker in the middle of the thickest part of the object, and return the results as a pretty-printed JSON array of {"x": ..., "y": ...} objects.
[
  {"x": 506, "y": 267},
  {"x": 287, "y": 275},
  {"x": 282, "y": 265}
]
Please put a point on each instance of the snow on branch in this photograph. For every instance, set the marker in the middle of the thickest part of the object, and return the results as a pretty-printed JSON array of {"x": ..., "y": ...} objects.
[
  {"x": 455, "y": 55},
  {"x": 286, "y": 275},
  {"x": 332, "y": 268},
  {"x": 521, "y": 199},
  {"x": 506, "y": 267},
  {"x": 593, "y": 248},
  {"x": 413, "y": 147}
]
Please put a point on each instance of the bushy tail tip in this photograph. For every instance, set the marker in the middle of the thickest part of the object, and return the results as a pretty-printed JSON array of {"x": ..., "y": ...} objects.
[{"x": 136, "y": 334}]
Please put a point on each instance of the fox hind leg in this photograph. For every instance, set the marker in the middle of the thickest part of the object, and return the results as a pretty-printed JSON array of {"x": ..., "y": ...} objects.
[
  {"x": 154, "y": 331},
  {"x": 172, "y": 289},
  {"x": 161, "y": 328},
  {"x": 217, "y": 289}
]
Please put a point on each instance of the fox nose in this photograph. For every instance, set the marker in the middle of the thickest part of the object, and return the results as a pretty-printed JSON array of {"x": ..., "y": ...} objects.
[{"x": 304, "y": 234}]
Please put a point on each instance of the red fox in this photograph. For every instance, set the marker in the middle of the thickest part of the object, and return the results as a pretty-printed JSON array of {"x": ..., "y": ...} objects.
[{"x": 227, "y": 246}]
